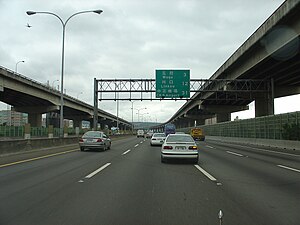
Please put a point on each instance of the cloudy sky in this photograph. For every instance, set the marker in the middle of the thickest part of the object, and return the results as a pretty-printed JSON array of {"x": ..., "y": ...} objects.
[{"x": 130, "y": 39}]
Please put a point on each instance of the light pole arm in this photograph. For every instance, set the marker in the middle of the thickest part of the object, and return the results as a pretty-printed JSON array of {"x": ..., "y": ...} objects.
[{"x": 63, "y": 54}]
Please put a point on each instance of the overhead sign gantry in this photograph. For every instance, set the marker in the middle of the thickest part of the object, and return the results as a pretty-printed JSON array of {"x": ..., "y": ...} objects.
[{"x": 175, "y": 84}]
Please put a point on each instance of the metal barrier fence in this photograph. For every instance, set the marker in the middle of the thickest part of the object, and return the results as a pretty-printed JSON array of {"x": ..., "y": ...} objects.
[
  {"x": 11, "y": 131},
  {"x": 19, "y": 132},
  {"x": 283, "y": 127}
]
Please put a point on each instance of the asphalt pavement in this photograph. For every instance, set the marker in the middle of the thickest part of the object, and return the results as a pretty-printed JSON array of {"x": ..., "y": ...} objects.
[{"x": 129, "y": 185}]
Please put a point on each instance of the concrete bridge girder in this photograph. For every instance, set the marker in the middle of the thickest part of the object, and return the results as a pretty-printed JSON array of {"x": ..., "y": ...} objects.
[
  {"x": 223, "y": 108},
  {"x": 36, "y": 109},
  {"x": 184, "y": 122}
]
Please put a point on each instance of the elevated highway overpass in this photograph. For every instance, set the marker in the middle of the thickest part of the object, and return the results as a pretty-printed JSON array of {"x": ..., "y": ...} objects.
[
  {"x": 271, "y": 54},
  {"x": 34, "y": 98}
]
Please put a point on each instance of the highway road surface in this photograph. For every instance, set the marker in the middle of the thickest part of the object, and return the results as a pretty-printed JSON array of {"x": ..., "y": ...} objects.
[{"x": 129, "y": 185}]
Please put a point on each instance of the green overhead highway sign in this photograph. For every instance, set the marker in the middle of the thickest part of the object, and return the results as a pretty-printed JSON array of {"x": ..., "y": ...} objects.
[{"x": 172, "y": 83}]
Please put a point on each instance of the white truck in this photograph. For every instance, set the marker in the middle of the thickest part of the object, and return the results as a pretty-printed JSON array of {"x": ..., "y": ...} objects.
[{"x": 140, "y": 133}]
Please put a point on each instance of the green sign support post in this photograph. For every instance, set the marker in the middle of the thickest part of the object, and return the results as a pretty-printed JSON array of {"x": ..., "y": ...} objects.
[{"x": 172, "y": 83}]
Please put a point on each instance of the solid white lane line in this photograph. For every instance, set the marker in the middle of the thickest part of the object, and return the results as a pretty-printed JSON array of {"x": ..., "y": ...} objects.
[
  {"x": 289, "y": 168},
  {"x": 205, "y": 173},
  {"x": 234, "y": 153},
  {"x": 209, "y": 146},
  {"x": 97, "y": 171},
  {"x": 136, "y": 145},
  {"x": 265, "y": 150},
  {"x": 124, "y": 153}
]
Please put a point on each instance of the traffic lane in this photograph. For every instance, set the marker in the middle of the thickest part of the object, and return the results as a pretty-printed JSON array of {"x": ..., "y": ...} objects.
[
  {"x": 276, "y": 153},
  {"x": 281, "y": 158},
  {"x": 27, "y": 184},
  {"x": 269, "y": 190},
  {"x": 137, "y": 188},
  {"x": 23, "y": 156},
  {"x": 32, "y": 172}
]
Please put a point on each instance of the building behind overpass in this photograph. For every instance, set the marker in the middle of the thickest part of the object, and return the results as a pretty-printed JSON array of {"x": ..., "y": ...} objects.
[{"x": 13, "y": 118}]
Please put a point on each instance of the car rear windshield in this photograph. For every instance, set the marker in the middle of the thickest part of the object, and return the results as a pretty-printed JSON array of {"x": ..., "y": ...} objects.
[
  {"x": 180, "y": 138},
  {"x": 159, "y": 135},
  {"x": 92, "y": 134}
]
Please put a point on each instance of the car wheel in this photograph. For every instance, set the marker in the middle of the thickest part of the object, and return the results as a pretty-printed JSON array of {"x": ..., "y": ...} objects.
[
  {"x": 162, "y": 159},
  {"x": 82, "y": 149},
  {"x": 109, "y": 146}
]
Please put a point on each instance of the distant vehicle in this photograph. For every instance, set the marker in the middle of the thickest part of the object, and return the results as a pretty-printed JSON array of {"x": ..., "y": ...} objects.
[
  {"x": 94, "y": 140},
  {"x": 170, "y": 129},
  {"x": 149, "y": 134},
  {"x": 157, "y": 139},
  {"x": 197, "y": 134},
  {"x": 140, "y": 133},
  {"x": 179, "y": 146}
]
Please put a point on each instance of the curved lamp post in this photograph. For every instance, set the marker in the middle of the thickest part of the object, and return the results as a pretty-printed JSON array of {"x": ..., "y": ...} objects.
[
  {"x": 16, "y": 69},
  {"x": 63, "y": 56},
  {"x": 53, "y": 83}
]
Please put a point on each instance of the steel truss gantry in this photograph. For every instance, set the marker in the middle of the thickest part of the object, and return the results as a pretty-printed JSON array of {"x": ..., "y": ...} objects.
[
  {"x": 144, "y": 89},
  {"x": 208, "y": 89}
]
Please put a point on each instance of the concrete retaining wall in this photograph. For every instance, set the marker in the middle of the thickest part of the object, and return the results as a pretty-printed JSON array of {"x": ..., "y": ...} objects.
[
  {"x": 285, "y": 144},
  {"x": 23, "y": 145}
]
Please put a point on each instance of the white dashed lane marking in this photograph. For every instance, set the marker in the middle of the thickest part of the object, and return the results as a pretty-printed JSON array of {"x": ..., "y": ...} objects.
[
  {"x": 97, "y": 171},
  {"x": 289, "y": 168},
  {"x": 205, "y": 173},
  {"x": 234, "y": 153},
  {"x": 124, "y": 153}
]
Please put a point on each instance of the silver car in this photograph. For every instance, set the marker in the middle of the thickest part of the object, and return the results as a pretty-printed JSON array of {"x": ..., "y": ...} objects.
[
  {"x": 157, "y": 139},
  {"x": 179, "y": 146},
  {"x": 94, "y": 140}
]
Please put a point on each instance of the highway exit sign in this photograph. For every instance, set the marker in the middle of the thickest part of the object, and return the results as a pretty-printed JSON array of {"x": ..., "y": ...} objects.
[{"x": 172, "y": 83}]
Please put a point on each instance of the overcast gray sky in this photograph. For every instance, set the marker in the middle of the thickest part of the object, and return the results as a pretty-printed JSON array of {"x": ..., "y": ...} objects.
[{"x": 130, "y": 39}]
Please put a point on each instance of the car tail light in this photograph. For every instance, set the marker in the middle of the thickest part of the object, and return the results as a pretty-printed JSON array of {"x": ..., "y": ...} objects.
[
  {"x": 168, "y": 147},
  {"x": 80, "y": 140},
  {"x": 193, "y": 147},
  {"x": 99, "y": 140}
]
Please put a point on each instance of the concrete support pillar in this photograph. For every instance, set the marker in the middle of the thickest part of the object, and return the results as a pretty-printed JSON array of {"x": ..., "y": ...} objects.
[
  {"x": 50, "y": 131},
  {"x": 35, "y": 119},
  {"x": 52, "y": 118},
  {"x": 223, "y": 117},
  {"x": 27, "y": 131},
  {"x": 199, "y": 122},
  {"x": 264, "y": 107},
  {"x": 77, "y": 123}
]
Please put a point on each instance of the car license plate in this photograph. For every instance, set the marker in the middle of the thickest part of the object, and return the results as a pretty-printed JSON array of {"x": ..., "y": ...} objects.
[{"x": 180, "y": 147}]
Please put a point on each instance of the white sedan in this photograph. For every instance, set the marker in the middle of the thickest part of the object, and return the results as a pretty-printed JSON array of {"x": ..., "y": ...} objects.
[
  {"x": 157, "y": 139},
  {"x": 179, "y": 146}
]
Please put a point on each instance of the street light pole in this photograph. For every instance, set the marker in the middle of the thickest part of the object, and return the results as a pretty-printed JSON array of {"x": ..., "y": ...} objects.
[
  {"x": 139, "y": 113},
  {"x": 132, "y": 116},
  {"x": 16, "y": 69},
  {"x": 63, "y": 57}
]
